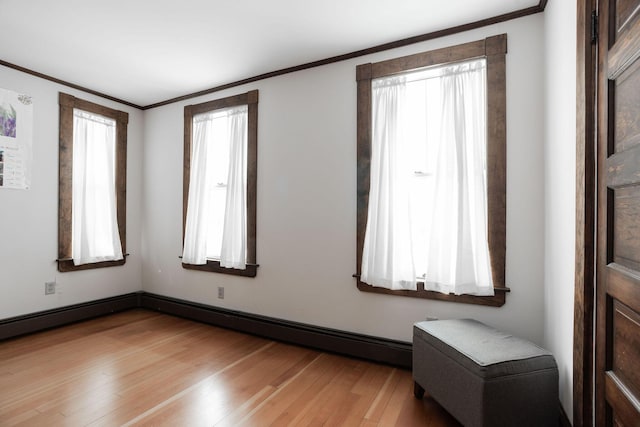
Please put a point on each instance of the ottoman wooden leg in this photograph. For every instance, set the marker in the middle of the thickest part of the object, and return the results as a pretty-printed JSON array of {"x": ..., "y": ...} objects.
[{"x": 418, "y": 391}]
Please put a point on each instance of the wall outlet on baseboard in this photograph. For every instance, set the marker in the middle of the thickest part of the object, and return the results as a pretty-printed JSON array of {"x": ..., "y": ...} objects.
[
  {"x": 221, "y": 292},
  {"x": 49, "y": 288}
]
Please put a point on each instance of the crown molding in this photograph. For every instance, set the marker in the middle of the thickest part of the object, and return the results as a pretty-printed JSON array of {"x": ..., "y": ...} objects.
[{"x": 375, "y": 49}]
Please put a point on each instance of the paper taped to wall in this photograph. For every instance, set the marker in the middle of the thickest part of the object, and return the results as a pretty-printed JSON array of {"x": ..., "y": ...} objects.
[{"x": 16, "y": 139}]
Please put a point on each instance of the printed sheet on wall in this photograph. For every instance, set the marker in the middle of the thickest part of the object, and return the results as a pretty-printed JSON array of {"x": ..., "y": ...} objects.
[{"x": 16, "y": 139}]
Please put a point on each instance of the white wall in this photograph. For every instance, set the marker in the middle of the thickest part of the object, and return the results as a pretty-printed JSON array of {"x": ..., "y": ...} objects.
[
  {"x": 29, "y": 218},
  {"x": 307, "y": 201},
  {"x": 559, "y": 178}
]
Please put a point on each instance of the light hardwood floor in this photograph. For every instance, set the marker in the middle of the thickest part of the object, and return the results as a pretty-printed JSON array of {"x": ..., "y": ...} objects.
[{"x": 144, "y": 368}]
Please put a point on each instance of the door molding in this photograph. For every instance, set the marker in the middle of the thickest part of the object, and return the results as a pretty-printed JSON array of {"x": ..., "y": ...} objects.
[{"x": 584, "y": 296}]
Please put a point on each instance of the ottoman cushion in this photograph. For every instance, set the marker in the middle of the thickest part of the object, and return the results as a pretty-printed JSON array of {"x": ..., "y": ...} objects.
[{"x": 489, "y": 352}]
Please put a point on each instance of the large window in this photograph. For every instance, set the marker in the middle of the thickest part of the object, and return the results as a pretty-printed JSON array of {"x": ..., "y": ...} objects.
[
  {"x": 431, "y": 174},
  {"x": 92, "y": 185},
  {"x": 220, "y": 174}
]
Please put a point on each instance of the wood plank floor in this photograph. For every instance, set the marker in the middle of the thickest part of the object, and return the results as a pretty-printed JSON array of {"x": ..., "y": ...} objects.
[{"x": 144, "y": 368}]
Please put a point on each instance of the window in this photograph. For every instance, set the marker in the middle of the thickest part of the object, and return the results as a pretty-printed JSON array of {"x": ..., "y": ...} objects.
[
  {"x": 92, "y": 185},
  {"x": 220, "y": 181},
  {"x": 431, "y": 174}
]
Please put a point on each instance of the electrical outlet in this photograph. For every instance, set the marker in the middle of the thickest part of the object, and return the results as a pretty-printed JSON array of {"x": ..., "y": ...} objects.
[
  {"x": 49, "y": 288},
  {"x": 220, "y": 292}
]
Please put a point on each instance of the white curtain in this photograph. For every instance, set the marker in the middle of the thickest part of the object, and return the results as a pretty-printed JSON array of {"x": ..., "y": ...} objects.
[
  {"x": 95, "y": 235},
  {"x": 387, "y": 259},
  {"x": 458, "y": 253},
  {"x": 216, "y": 207},
  {"x": 427, "y": 197},
  {"x": 195, "y": 242},
  {"x": 234, "y": 235}
]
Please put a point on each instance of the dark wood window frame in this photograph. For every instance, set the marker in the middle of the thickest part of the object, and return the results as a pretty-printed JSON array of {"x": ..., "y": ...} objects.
[
  {"x": 494, "y": 49},
  {"x": 65, "y": 174},
  {"x": 251, "y": 100}
]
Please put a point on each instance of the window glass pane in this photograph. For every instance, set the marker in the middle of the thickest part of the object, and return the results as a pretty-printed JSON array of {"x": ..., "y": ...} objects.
[
  {"x": 94, "y": 216},
  {"x": 431, "y": 136},
  {"x": 217, "y": 169}
]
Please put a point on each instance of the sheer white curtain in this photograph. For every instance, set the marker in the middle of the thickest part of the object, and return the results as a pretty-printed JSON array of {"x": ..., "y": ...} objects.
[
  {"x": 95, "y": 236},
  {"x": 216, "y": 208},
  {"x": 427, "y": 197},
  {"x": 458, "y": 252},
  {"x": 234, "y": 235},
  {"x": 195, "y": 242},
  {"x": 387, "y": 259}
]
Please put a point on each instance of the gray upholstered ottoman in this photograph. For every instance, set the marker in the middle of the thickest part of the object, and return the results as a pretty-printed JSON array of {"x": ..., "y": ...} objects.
[{"x": 484, "y": 377}]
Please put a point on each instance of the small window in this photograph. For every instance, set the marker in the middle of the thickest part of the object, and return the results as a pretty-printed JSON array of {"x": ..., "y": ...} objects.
[
  {"x": 431, "y": 174},
  {"x": 220, "y": 177},
  {"x": 92, "y": 185}
]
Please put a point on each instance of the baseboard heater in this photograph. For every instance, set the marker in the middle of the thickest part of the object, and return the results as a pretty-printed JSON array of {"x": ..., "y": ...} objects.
[
  {"x": 381, "y": 350},
  {"x": 48, "y": 319}
]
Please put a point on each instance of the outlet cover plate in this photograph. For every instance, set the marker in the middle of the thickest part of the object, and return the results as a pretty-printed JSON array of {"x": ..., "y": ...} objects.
[{"x": 49, "y": 288}]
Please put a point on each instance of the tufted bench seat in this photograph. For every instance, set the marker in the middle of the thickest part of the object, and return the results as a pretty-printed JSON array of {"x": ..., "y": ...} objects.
[{"x": 484, "y": 377}]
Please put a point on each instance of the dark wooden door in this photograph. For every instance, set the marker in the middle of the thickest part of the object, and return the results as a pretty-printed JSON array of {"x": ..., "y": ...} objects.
[{"x": 618, "y": 235}]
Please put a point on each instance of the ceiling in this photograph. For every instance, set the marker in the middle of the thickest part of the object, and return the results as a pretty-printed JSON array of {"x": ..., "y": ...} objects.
[{"x": 148, "y": 51}]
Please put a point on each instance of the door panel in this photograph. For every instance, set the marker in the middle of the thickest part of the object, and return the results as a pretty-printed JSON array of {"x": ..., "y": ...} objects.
[
  {"x": 623, "y": 284},
  {"x": 626, "y": 11},
  {"x": 627, "y": 131},
  {"x": 618, "y": 235},
  {"x": 626, "y": 341},
  {"x": 626, "y": 232}
]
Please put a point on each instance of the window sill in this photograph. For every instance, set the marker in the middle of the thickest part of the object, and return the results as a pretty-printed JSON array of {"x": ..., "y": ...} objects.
[
  {"x": 214, "y": 266},
  {"x": 497, "y": 300},
  {"x": 66, "y": 265}
]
